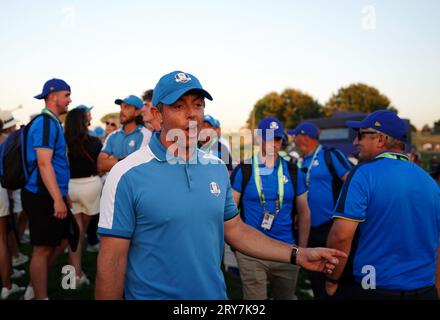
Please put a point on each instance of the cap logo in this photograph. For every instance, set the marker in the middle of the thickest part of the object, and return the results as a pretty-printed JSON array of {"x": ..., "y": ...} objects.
[
  {"x": 215, "y": 189},
  {"x": 182, "y": 78},
  {"x": 302, "y": 131},
  {"x": 51, "y": 88},
  {"x": 273, "y": 125},
  {"x": 377, "y": 124}
]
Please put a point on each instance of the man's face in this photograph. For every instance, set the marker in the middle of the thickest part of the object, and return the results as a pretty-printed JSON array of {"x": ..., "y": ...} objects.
[
  {"x": 61, "y": 100},
  {"x": 186, "y": 115},
  {"x": 128, "y": 113},
  {"x": 301, "y": 143},
  {"x": 367, "y": 143},
  {"x": 272, "y": 146},
  {"x": 147, "y": 113}
]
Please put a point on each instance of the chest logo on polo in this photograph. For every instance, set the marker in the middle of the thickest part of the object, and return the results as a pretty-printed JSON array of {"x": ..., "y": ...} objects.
[
  {"x": 315, "y": 163},
  {"x": 285, "y": 180},
  {"x": 131, "y": 143},
  {"x": 215, "y": 189}
]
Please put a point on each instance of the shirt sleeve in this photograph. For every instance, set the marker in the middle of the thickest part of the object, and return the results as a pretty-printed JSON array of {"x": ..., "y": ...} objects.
[
  {"x": 353, "y": 200},
  {"x": 237, "y": 179},
  {"x": 341, "y": 167},
  {"x": 44, "y": 133},
  {"x": 117, "y": 216},
  {"x": 108, "y": 145},
  {"x": 301, "y": 183},
  {"x": 230, "y": 208}
]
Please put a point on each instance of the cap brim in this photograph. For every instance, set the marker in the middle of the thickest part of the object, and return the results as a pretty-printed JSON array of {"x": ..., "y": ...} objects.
[
  {"x": 118, "y": 101},
  {"x": 354, "y": 124},
  {"x": 173, "y": 97},
  {"x": 40, "y": 96}
]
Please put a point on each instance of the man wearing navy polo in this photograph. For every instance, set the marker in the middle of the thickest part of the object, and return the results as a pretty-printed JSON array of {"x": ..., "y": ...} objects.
[
  {"x": 120, "y": 143},
  {"x": 324, "y": 170},
  {"x": 396, "y": 205},
  {"x": 167, "y": 209},
  {"x": 45, "y": 195}
]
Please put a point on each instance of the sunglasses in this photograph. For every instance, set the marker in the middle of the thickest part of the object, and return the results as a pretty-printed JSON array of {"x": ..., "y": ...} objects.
[
  {"x": 361, "y": 134},
  {"x": 110, "y": 124}
]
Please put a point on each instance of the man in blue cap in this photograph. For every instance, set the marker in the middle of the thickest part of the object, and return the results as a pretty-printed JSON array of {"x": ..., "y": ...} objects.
[
  {"x": 123, "y": 142},
  {"x": 396, "y": 206},
  {"x": 210, "y": 141},
  {"x": 271, "y": 195},
  {"x": 167, "y": 209},
  {"x": 325, "y": 170},
  {"x": 45, "y": 195}
]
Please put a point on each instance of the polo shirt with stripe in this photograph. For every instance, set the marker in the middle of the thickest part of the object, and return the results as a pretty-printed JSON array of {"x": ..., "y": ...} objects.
[{"x": 173, "y": 214}]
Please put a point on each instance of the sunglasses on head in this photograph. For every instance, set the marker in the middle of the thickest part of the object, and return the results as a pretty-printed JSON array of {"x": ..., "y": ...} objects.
[{"x": 110, "y": 124}]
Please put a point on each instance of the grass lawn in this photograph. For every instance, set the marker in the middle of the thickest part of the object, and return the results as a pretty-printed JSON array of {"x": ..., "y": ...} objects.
[{"x": 56, "y": 292}]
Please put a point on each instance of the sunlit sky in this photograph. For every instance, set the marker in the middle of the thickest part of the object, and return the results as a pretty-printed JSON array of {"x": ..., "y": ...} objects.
[{"x": 239, "y": 50}]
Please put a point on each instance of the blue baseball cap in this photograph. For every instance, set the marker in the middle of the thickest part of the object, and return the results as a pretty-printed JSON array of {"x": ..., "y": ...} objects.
[
  {"x": 271, "y": 123},
  {"x": 385, "y": 121},
  {"x": 307, "y": 129},
  {"x": 174, "y": 85},
  {"x": 132, "y": 100},
  {"x": 209, "y": 119},
  {"x": 217, "y": 123},
  {"x": 84, "y": 107},
  {"x": 52, "y": 85}
]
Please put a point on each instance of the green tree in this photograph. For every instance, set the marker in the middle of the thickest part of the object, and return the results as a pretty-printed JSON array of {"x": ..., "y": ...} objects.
[
  {"x": 290, "y": 107},
  {"x": 358, "y": 97},
  {"x": 436, "y": 128}
]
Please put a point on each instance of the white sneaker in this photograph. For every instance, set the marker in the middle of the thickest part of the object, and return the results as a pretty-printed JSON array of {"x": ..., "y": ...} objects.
[
  {"x": 93, "y": 249},
  {"x": 29, "y": 294},
  {"x": 17, "y": 273},
  {"x": 83, "y": 280},
  {"x": 19, "y": 260},
  {"x": 14, "y": 289}
]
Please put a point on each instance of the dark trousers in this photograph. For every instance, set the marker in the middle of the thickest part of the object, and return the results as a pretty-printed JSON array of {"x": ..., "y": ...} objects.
[
  {"x": 318, "y": 238},
  {"x": 354, "y": 291},
  {"x": 92, "y": 237}
]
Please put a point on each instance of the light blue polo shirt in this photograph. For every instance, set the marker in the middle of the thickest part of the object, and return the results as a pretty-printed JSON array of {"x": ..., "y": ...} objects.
[
  {"x": 253, "y": 210},
  {"x": 398, "y": 207},
  {"x": 121, "y": 145},
  {"x": 43, "y": 135},
  {"x": 321, "y": 201},
  {"x": 174, "y": 215}
]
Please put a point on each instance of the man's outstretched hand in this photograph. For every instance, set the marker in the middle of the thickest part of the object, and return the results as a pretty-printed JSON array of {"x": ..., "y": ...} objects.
[{"x": 319, "y": 259}]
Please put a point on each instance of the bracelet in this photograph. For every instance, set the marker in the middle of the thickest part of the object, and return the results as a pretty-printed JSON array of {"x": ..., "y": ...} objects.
[{"x": 294, "y": 254}]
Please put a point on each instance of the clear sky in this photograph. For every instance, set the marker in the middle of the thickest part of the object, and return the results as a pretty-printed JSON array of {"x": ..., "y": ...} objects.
[{"x": 240, "y": 50}]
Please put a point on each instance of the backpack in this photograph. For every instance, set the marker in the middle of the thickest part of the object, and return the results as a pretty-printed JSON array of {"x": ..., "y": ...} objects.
[
  {"x": 336, "y": 181},
  {"x": 14, "y": 172},
  {"x": 246, "y": 169}
]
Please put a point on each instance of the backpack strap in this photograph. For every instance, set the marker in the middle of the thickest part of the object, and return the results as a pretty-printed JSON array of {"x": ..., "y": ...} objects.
[
  {"x": 246, "y": 170},
  {"x": 336, "y": 181},
  {"x": 293, "y": 171}
]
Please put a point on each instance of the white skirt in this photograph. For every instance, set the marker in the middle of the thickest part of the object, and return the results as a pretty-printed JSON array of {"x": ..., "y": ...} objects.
[{"x": 85, "y": 194}]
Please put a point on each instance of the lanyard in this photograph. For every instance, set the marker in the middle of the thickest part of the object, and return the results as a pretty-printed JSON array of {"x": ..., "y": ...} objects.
[
  {"x": 309, "y": 169},
  {"x": 46, "y": 111},
  {"x": 259, "y": 185},
  {"x": 392, "y": 155}
]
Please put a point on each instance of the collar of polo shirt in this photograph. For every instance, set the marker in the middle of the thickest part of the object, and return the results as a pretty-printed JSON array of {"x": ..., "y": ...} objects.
[{"x": 161, "y": 153}]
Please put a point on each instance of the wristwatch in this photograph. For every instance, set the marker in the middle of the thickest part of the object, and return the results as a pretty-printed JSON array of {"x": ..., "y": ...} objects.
[{"x": 293, "y": 254}]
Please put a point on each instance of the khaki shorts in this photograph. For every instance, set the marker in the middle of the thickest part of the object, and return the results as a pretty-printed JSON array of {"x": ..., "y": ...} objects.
[
  {"x": 85, "y": 194},
  {"x": 4, "y": 202}
]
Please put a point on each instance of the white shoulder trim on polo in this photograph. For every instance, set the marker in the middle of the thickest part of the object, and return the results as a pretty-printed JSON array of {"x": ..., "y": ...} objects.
[
  {"x": 107, "y": 204},
  {"x": 147, "y": 136}
]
